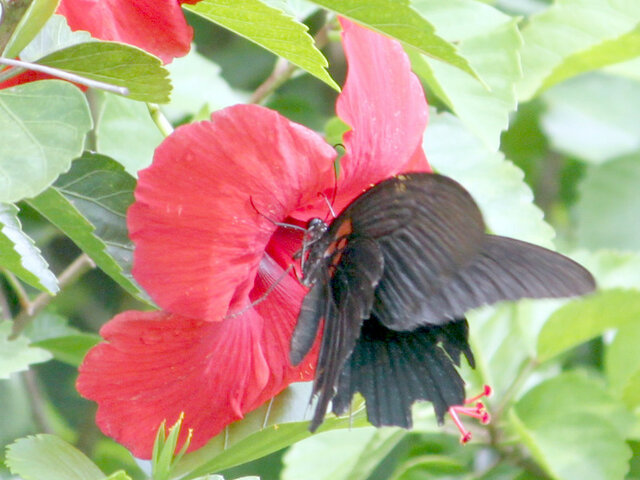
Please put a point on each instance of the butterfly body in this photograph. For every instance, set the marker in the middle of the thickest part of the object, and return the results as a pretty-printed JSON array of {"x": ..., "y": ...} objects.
[{"x": 392, "y": 277}]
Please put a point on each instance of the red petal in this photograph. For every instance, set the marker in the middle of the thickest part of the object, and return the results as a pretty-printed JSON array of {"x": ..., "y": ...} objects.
[
  {"x": 157, "y": 26},
  {"x": 199, "y": 240},
  {"x": 156, "y": 365},
  {"x": 384, "y": 104}
]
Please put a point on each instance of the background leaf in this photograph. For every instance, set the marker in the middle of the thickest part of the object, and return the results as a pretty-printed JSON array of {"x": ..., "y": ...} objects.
[
  {"x": 48, "y": 120},
  {"x": 197, "y": 85},
  {"x": 581, "y": 320},
  {"x": 16, "y": 355},
  {"x": 55, "y": 35},
  {"x": 125, "y": 131},
  {"x": 271, "y": 29},
  {"x": 47, "y": 457},
  {"x": 570, "y": 417},
  {"x": 622, "y": 362},
  {"x": 340, "y": 455},
  {"x": 490, "y": 41},
  {"x": 567, "y": 30},
  {"x": 600, "y": 129},
  {"x": 20, "y": 256},
  {"x": 607, "y": 208},
  {"x": 495, "y": 183}
]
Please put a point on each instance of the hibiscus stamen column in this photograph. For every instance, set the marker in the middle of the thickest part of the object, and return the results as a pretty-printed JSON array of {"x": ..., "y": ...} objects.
[{"x": 478, "y": 411}]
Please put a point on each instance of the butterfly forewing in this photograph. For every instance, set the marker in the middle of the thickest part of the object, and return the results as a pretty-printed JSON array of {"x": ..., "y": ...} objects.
[{"x": 504, "y": 269}]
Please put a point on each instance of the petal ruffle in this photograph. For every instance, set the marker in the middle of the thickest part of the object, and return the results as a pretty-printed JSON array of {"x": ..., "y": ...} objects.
[
  {"x": 157, "y": 26},
  {"x": 155, "y": 365},
  {"x": 384, "y": 104},
  {"x": 199, "y": 223}
]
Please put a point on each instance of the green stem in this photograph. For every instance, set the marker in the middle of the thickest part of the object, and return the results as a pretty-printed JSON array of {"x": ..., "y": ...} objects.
[
  {"x": 21, "y": 293},
  {"x": 283, "y": 70},
  {"x": 37, "y": 402},
  {"x": 78, "y": 267},
  {"x": 159, "y": 119},
  {"x": 522, "y": 376},
  {"x": 71, "y": 77}
]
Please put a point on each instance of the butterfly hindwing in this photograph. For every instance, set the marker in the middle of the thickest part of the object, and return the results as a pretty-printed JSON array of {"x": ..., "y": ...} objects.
[
  {"x": 351, "y": 291},
  {"x": 394, "y": 369}
]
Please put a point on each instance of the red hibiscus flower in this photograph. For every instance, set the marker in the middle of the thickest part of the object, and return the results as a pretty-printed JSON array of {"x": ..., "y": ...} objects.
[
  {"x": 209, "y": 254},
  {"x": 157, "y": 26}
]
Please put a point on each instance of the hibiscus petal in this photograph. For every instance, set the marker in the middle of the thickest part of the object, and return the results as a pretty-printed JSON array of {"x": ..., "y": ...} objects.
[
  {"x": 199, "y": 223},
  {"x": 384, "y": 104},
  {"x": 157, "y": 26},
  {"x": 155, "y": 365}
]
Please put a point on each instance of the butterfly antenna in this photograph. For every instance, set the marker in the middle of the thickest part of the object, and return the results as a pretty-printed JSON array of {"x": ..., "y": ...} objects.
[
  {"x": 336, "y": 172},
  {"x": 333, "y": 213},
  {"x": 277, "y": 224},
  {"x": 266, "y": 415},
  {"x": 264, "y": 296}
]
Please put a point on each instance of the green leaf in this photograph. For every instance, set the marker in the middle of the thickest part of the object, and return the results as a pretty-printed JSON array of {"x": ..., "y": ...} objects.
[
  {"x": 47, "y": 457},
  {"x": 594, "y": 117},
  {"x": 89, "y": 205},
  {"x": 397, "y": 19},
  {"x": 586, "y": 318},
  {"x": 613, "y": 51},
  {"x": 126, "y": 132},
  {"x": 557, "y": 40},
  {"x": 339, "y": 455},
  {"x": 490, "y": 41},
  {"x": 53, "y": 333},
  {"x": 608, "y": 205},
  {"x": 70, "y": 349},
  {"x": 273, "y": 426},
  {"x": 43, "y": 127},
  {"x": 496, "y": 184},
  {"x": 19, "y": 255},
  {"x": 622, "y": 364},
  {"x": 270, "y": 28},
  {"x": 570, "y": 417},
  {"x": 16, "y": 355},
  {"x": 165, "y": 455},
  {"x": 116, "y": 64},
  {"x": 37, "y": 15},
  {"x": 55, "y": 35}
]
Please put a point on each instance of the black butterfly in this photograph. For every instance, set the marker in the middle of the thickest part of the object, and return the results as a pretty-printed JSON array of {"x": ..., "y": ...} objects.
[{"x": 392, "y": 277}]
